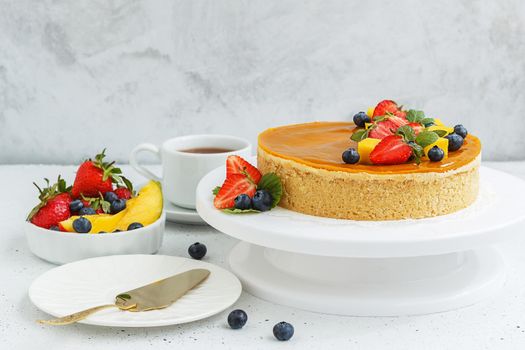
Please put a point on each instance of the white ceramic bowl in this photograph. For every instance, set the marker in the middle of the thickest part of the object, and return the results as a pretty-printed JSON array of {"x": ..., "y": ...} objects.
[{"x": 64, "y": 247}]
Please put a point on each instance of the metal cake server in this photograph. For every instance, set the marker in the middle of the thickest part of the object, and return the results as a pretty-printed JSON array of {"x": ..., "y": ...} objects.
[{"x": 156, "y": 295}]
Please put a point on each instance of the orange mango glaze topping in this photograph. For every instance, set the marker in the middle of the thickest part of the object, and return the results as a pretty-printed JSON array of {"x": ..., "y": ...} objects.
[{"x": 320, "y": 145}]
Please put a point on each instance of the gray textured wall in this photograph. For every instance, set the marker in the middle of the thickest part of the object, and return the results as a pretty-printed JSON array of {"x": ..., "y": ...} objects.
[{"x": 76, "y": 76}]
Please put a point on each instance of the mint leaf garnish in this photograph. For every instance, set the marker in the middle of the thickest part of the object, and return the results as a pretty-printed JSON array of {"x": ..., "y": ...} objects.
[
  {"x": 426, "y": 138},
  {"x": 216, "y": 190},
  {"x": 414, "y": 116},
  {"x": 406, "y": 132},
  {"x": 128, "y": 184},
  {"x": 440, "y": 133},
  {"x": 427, "y": 121},
  {"x": 359, "y": 135},
  {"x": 271, "y": 183},
  {"x": 105, "y": 206},
  {"x": 417, "y": 151},
  {"x": 239, "y": 211}
]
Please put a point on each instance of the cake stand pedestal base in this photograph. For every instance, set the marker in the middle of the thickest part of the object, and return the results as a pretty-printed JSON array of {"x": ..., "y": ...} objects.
[{"x": 368, "y": 286}]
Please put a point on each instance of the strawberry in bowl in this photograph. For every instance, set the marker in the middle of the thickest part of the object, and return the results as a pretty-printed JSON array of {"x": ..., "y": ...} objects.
[{"x": 53, "y": 207}]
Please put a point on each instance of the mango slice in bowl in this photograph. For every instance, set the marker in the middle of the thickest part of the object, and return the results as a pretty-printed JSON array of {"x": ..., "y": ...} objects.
[{"x": 145, "y": 208}]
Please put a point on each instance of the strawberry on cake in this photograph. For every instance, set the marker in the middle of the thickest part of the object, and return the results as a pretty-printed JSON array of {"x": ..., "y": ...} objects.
[{"x": 389, "y": 164}]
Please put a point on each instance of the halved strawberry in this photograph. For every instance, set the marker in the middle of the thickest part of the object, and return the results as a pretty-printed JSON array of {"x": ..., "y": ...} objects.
[
  {"x": 382, "y": 130},
  {"x": 384, "y": 107},
  {"x": 387, "y": 127},
  {"x": 237, "y": 165},
  {"x": 397, "y": 120},
  {"x": 416, "y": 127},
  {"x": 401, "y": 114},
  {"x": 391, "y": 150},
  {"x": 234, "y": 185}
]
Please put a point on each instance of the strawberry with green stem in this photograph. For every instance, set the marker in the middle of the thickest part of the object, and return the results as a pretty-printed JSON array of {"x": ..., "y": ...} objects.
[
  {"x": 53, "y": 206},
  {"x": 95, "y": 177}
]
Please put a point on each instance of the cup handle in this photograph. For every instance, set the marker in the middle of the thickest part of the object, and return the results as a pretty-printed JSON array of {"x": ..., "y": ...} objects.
[{"x": 139, "y": 168}]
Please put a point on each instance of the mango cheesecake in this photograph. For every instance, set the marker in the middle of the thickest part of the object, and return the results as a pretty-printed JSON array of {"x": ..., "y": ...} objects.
[{"x": 388, "y": 164}]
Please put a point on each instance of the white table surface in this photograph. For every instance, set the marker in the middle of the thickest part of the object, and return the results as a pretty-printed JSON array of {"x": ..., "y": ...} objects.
[{"x": 497, "y": 323}]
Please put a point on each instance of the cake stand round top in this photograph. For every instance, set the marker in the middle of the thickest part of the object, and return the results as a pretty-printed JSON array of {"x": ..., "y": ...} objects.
[{"x": 492, "y": 218}]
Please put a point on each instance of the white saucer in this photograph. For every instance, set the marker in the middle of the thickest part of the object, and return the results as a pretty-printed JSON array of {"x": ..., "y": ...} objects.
[
  {"x": 182, "y": 215},
  {"x": 86, "y": 283}
]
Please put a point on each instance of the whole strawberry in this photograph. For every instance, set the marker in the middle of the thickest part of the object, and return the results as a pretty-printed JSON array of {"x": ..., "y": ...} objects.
[
  {"x": 95, "y": 177},
  {"x": 123, "y": 193},
  {"x": 53, "y": 206}
]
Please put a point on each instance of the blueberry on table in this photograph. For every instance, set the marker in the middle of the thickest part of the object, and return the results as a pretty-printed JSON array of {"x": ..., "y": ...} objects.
[
  {"x": 243, "y": 202},
  {"x": 117, "y": 206},
  {"x": 76, "y": 205},
  {"x": 134, "y": 226},
  {"x": 460, "y": 130},
  {"x": 436, "y": 154},
  {"x": 54, "y": 228},
  {"x": 283, "y": 331},
  {"x": 237, "y": 319},
  {"x": 350, "y": 156},
  {"x": 197, "y": 250},
  {"x": 455, "y": 142},
  {"x": 82, "y": 225},
  {"x": 361, "y": 118},
  {"x": 110, "y": 197},
  {"x": 262, "y": 200},
  {"x": 87, "y": 211}
]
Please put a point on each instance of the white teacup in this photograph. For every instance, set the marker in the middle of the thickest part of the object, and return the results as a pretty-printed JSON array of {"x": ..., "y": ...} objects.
[{"x": 186, "y": 159}]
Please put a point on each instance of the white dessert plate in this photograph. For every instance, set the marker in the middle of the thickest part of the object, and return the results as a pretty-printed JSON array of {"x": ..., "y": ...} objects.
[
  {"x": 83, "y": 284},
  {"x": 182, "y": 215},
  {"x": 498, "y": 209}
]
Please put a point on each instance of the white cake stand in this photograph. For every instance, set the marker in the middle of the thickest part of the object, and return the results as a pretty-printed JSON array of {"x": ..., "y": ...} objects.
[{"x": 368, "y": 268}]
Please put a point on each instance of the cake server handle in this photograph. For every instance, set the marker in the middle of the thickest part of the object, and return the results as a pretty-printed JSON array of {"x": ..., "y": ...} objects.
[{"x": 78, "y": 316}]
